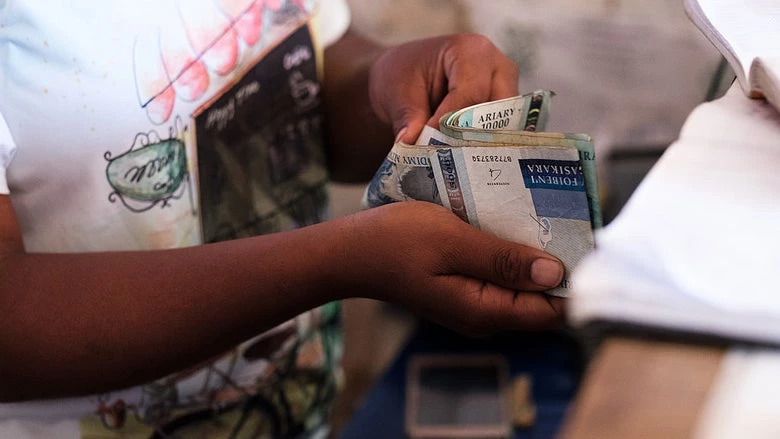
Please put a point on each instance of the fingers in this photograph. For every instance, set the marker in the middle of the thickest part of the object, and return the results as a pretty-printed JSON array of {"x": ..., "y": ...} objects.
[
  {"x": 507, "y": 264},
  {"x": 533, "y": 310},
  {"x": 410, "y": 110},
  {"x": 476, "y": 72},
  {"x": 480, "y": 308},
  {"x": 506, "y": 78},
  {"x": 456, "y": 274},
  {"x": 409, "y": 122},
  {"x": 521, "y": 310},
  {"x": 445, "y": 73}
]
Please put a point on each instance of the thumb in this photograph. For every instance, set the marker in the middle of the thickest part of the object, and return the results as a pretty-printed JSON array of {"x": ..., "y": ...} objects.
[{"x": 504, "y": 263}]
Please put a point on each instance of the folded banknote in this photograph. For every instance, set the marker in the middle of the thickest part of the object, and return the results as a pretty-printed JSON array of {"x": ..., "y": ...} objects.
[
  {"x": 533, "y": 195},
  {"x": 520, "y": 183},
  {"x": 527, "y": 112}
]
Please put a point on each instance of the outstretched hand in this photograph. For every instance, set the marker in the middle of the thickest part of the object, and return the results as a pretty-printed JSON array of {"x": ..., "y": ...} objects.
[
  {"x": 424, "y": 258},
  {"x": 418, "y": 82}
]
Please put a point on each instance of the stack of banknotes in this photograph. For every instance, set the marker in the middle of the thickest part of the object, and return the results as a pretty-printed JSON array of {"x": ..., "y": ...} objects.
[{"x": 496, "y": 168}]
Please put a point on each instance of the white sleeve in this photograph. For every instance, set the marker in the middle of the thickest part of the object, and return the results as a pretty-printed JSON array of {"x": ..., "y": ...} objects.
[
  {"x": 332, "y": 20},
  {"x": 7, "y": 150}
]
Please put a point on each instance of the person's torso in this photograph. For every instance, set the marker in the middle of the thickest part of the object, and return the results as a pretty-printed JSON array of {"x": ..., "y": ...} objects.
[{"x": 168, "y": 123}]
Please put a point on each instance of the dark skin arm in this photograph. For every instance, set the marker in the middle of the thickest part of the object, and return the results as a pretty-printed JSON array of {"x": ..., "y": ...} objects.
[
  {"x": 357, "y": 140},
  {"x": 75, "y": 324},
  {"x": 104, "y": 327}
]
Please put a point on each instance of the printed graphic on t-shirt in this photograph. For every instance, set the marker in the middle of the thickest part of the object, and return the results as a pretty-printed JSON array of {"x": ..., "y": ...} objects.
[
  {"x": 207, "y": 43},
  {"x": 189, "y": 61},
  {"x": 260, "y": 162},
  {"x": 253, "y": 149},
  {"x": 153, "y": 172},
  {"x": 279, "y": 385}
]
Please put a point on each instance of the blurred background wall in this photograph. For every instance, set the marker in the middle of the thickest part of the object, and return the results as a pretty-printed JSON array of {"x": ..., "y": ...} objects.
[{"x": 627, "y": 72}]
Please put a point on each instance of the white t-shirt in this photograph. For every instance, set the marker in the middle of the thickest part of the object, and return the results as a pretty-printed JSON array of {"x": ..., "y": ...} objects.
[{"x": 167, "y": 123}]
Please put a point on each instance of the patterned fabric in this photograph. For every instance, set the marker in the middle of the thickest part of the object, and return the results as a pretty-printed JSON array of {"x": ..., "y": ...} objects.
[{"x": 291, "y": 396}]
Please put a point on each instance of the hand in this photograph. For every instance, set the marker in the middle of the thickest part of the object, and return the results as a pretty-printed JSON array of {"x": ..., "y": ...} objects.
[
  {"x": 422, "y": 257},
  {"x": 418, "y": 82}
]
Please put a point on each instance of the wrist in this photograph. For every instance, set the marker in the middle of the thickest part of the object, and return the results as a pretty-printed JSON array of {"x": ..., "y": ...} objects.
[
  {"x": 326, "y": 261},
  {"x": 352, "y": 266}
]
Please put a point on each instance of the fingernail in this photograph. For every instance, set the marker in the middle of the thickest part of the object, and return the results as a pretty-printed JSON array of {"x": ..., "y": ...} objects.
[
  {"x": 400, "y": 135},
  {"x": 546, "y": 272}
]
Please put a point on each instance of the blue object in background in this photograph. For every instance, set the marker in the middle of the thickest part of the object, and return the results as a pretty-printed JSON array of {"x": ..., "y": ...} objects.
[{"x": 553, "y": 359}]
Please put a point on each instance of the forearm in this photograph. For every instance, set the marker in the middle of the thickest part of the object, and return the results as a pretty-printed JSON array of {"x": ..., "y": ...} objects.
[
  {"x": 111, "y": 320},
  {"x": 357, "y": 140}
]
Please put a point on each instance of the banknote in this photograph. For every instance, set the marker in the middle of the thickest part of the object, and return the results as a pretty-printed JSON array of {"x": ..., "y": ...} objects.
[
  {"x": 582, "y": 142},
  {"x": 494, "y": 167},
  {"x": 406, "y": 174},
  {"x": 504, "y": 136},
  {"x": 528, "y": 112},
  {"x": 532, "y": 195}
]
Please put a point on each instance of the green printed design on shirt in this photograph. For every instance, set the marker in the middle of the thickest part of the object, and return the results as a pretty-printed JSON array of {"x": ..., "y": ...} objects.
[{"x": 151, "y": 173}]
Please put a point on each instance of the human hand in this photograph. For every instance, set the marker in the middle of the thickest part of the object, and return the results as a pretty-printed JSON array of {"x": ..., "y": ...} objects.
[
  {"x": 424, "y": 258},
  {"x": 418, "y": 82}
]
